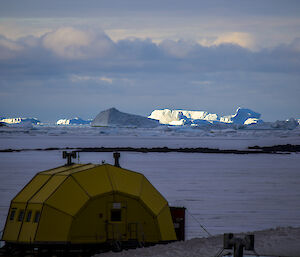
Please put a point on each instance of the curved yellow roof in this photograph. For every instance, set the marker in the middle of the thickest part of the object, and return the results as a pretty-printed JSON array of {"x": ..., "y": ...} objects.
[{"x": 68, "y": 188}]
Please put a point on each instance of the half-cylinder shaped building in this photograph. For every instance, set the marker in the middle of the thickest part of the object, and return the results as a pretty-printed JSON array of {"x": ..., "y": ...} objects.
[{"x": 88, "y": 204}]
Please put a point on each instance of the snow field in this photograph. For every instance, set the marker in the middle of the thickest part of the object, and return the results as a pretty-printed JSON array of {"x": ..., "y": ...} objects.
[{"x": 282, "y": 242}]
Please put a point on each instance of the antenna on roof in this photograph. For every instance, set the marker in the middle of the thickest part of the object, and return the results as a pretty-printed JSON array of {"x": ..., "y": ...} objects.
[
  {"x": 117, "y": 157},
  {"x": 69, "y": 157}
]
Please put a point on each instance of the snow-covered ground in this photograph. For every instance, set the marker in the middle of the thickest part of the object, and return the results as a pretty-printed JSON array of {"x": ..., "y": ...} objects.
[
  {"x": 282, "y": 242},
  {"x": 222, "y": 192}
]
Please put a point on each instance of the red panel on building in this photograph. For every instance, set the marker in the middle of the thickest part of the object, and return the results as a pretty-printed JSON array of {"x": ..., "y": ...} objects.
[{"x": 178, "y": 216}]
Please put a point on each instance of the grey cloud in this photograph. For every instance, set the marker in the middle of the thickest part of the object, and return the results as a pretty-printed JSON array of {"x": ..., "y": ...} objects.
[
  {"x": 93, "y": 52},
  {"x": 143, "y": 75}
]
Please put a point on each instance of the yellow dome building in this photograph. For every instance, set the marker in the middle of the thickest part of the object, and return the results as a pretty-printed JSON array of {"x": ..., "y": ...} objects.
[{"x": 87, "y": 204}]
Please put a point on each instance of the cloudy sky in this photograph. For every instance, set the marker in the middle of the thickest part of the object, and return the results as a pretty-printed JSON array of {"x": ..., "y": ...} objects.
[{"x": 66, "y": 58}]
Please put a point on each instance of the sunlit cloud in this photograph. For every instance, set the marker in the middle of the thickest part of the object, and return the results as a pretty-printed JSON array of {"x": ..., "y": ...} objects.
[
  {"x": 239, "y": 38},
  {"x": 67, "y": 42},
  {"x": 73, "y": 43},
  {"x": 107, "y": 80}
]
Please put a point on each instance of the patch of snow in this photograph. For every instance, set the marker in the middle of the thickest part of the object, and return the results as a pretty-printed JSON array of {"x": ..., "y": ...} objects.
[
  {"x": 177, "y": 122},
  {"x": 114, "y": 118},
  {"x": 253, "y": 121}
]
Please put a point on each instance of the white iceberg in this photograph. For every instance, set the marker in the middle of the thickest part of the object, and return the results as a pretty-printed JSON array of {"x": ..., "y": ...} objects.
[
  {"x": 168, "y": 116},
  {"x": 74, "y": 121},
  {"x": 242, "y": 116},
  {"x": 20, "y": 120}
]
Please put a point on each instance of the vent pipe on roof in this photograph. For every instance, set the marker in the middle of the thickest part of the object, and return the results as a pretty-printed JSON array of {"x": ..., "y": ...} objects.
[
  {"x": 117, "y": 157},
  {"x": 69, "y": 157}
]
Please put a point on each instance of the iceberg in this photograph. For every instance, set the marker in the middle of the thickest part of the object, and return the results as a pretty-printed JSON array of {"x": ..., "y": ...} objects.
[
  {"x": 242, "y": 116},
  {"x": 167, "y": 116},
  {"x": 286, "y": 124},
  {"x": 74, "y": 121},
  {"x": 33, "y": 121},
  {"x": 114, "y": 118}
]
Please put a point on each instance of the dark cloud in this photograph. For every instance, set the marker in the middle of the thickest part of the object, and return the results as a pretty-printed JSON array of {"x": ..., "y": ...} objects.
[{"x": 85, "y": 53}]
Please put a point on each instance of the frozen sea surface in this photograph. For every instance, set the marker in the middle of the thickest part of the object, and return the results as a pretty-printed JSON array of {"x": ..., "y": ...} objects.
[
  {"x": 84, "y": 136},
  {"x": 222, "y": 192}
]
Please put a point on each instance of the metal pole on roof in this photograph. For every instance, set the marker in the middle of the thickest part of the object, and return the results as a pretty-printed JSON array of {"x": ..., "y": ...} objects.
[{"x": 117, "y": 157}]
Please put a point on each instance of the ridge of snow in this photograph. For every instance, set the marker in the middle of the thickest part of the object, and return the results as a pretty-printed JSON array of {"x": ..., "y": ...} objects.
[{"x": 113, "y": 117}]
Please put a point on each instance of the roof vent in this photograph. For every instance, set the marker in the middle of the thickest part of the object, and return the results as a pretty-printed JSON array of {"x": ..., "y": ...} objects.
[
  {"x": 117, "y": 157},
  {"x": 69, "y": 157}
]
